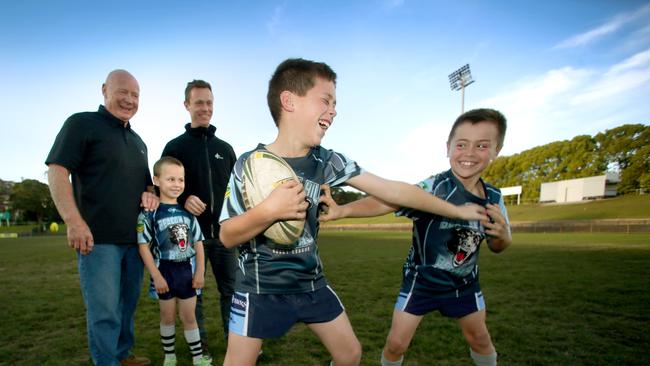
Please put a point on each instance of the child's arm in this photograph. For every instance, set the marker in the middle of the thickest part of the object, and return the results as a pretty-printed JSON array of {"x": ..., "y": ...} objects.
[
  {"x": 147, "y": 258},
  {"x": 406, "y": 195},
  {"x": 286, "y": 202},
  {"x": 199, "y": 274},
  {"x": 365, "y": 207},
  {"x": 498, "y": 229}
]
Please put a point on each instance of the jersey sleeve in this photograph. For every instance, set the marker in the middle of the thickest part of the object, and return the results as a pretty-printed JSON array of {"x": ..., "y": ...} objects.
[
  {"x": 338, "y": 169},
  {"x": 145, "y": 227},
  {"x": 69, "y": 146},
  {"x": 233, "y": 203}
]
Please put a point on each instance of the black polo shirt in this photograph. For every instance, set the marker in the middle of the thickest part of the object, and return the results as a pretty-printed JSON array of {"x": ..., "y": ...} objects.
[{"x": 109, "y": 168}]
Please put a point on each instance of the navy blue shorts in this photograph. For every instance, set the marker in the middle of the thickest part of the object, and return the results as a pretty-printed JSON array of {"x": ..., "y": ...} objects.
[
  {"x": 452, "y": 305},
  {"x": 272, "y": 315},
  {"x": 179, "y": 279}
]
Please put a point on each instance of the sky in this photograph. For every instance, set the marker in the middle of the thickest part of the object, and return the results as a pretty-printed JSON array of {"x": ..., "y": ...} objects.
[{"x": 555, "y": 69}]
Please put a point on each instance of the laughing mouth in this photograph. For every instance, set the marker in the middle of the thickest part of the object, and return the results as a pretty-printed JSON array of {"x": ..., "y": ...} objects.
[{"x": 324, "y": 124}]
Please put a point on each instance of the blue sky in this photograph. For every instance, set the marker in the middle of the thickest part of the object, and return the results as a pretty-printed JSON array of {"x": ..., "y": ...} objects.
[{"x": 556, "y": 69}]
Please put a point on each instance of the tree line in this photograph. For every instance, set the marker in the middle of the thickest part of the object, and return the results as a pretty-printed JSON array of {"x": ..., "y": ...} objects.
[{"x": 624, "y": 149}]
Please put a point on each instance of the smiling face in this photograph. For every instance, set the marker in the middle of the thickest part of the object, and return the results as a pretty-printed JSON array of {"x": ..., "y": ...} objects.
[
  {"x": 121, "y": 95},
  {"x": 170, "y": 181},
  {"x": 316, "y": 110},
  {"x": 471, "y": 149},
  {"x": 200, "y": 106}
]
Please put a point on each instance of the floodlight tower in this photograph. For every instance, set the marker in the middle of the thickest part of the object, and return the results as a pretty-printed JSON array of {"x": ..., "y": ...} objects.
[{"x": 460, "y": 79}]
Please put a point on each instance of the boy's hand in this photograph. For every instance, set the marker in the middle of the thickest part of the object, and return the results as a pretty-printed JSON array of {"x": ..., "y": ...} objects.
[
  {"x": 472, "y": 211},
  {"x": 194, "y": 205},
  {"x": 330, "y": 210},
  {"x": 198, "y": 280},
  {"x": 160, "y": 284},
  {"x": 496, "y": 226},
  {"x": 287, "y": 202}
]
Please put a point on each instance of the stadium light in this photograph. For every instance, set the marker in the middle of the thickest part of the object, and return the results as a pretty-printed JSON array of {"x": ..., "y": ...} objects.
[{"x": 460, "y": 79}]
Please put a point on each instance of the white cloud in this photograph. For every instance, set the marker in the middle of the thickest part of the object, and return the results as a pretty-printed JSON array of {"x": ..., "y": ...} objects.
[
  {"x": 620, "y": 78},
  {"x": 611, "y": 26}
]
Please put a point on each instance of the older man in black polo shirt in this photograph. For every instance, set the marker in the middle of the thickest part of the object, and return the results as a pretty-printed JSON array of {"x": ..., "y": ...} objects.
[{"x": 110, "y": 181}]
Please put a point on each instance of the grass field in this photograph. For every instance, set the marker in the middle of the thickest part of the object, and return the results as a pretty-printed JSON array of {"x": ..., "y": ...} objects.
[{"x": 553, "y": 299}]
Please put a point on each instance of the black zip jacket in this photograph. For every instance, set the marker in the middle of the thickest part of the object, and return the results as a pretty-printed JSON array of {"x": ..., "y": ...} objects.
[{"x": 208, "y": 162}]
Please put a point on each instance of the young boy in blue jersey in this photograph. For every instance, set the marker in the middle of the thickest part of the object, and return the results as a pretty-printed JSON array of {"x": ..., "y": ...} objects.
[
  {"x": 171, "y": 247},
  {"x": 278, "y": 286},
  {"x": 441, "y": 270}
]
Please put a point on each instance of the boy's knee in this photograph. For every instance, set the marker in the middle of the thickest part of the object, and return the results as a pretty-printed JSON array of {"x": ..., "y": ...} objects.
[
  {"x": 479, "y": 340},
  {"x": 396, "y": 345},
  {"x": 351, "y": 356}
]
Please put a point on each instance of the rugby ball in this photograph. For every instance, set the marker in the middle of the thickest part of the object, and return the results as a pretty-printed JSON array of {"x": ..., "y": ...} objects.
[{"x": 263, "y": 172}]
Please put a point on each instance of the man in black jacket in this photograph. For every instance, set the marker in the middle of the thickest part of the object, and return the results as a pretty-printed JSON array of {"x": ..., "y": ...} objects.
[{"x": 208, "y": 162}]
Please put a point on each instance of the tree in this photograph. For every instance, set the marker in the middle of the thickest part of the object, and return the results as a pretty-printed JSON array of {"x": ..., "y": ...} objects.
[
  {"x": 625, "y": 149},
  {"x": 32, "y": 198}
]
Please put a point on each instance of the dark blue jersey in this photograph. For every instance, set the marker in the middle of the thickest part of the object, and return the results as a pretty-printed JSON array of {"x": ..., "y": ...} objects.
[
  {"x": 171, "y": 232},
  {"x": 266, "y": 267},
  {"x": 444, "y": 252}
]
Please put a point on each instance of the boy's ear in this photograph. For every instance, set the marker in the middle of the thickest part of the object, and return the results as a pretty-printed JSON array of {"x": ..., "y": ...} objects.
[
  {"x": 187, "y": 105},
  {"x": 286, "y": 99},
  {"x": 156, "y": 182},
  {"x": 447, "y": 148}
]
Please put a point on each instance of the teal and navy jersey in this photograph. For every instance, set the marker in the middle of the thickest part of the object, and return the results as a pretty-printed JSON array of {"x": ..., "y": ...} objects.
[
  {"x": 171, "y": 232},
  {"x": 444, "y": 252},
  {"x": 266, "y": 267}
]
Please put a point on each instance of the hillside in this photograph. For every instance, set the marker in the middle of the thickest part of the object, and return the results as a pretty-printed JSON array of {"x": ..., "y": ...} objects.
[{"x": 624, "y": 207}]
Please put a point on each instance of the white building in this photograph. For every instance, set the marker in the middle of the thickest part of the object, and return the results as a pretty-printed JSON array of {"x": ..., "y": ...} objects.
[{"x": 579, "y": 189}]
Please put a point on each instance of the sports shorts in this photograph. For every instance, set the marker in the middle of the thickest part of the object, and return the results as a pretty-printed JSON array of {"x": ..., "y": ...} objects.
[
  {"x": 179, "y": 279},
  {"x": 454, "y": 304},
  {"x": 272, "y": 315}
]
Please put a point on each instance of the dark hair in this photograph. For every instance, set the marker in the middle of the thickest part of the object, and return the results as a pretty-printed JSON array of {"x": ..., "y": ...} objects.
[
  {"x": 195, "y": 84},
  {"x": 296, "y": 75},
  {"x": 165, "y": 160},
  {"x": 479, "y": 115}
]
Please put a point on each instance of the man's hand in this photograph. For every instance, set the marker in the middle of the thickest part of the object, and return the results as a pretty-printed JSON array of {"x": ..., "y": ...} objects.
[
  {"x": 79, "y": 236},
  {"x": 149, "y": 201},
  {"x": 194, "y": 205}
]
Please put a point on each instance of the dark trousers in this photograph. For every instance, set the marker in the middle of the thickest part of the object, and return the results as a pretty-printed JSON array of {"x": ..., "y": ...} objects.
[{"x": 224, "y": 264}]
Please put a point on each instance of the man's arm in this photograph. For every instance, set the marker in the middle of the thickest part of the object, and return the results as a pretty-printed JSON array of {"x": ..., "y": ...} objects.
[
  {"x": 149, "y": 201},
  {"x": 79, "y": 236},
  {"x": 407, "y": 195}
]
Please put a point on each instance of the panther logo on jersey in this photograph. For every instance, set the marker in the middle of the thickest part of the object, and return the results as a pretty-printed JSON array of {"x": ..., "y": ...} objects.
[
  {"x": 178, "y": 235},
  {"x": 464, "y": 242}
]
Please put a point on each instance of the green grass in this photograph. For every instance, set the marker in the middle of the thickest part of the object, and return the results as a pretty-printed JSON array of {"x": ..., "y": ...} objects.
[
  {"x": 623, "y": 207},
  {"x": 553, "y": 299}
]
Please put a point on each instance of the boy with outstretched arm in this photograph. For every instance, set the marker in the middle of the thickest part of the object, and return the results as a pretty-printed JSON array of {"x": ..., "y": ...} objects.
[
  {"x": 278, "y": 286},
  {"x": 441, "y": 269},
  {"x": 170, "y": 238}
]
